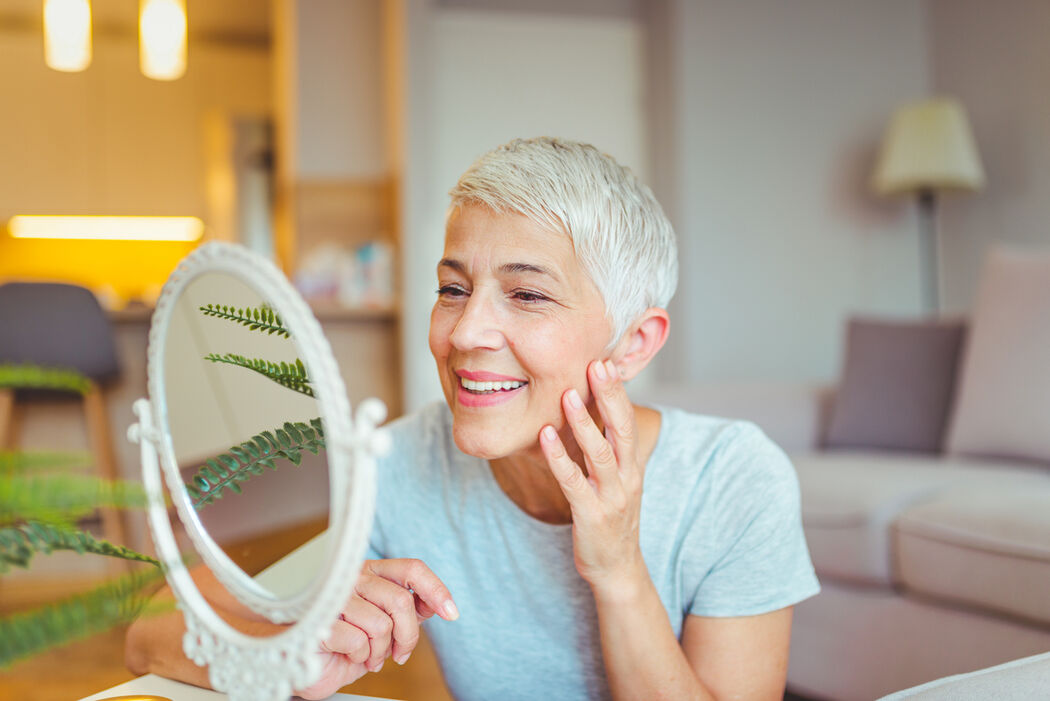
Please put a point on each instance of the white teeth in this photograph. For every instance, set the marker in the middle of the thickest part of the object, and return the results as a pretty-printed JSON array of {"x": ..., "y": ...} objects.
[{"x": 489, "y": 386}]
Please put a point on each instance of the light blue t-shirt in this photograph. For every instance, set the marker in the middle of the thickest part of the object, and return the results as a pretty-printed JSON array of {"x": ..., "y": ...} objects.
[{"x": 720, "y": 532}]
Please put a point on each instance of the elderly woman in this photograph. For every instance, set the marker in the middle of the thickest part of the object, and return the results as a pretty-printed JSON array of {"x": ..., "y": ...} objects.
[{"x": 575, "y": 544}]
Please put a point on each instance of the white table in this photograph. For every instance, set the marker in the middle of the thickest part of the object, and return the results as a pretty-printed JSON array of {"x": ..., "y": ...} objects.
[
  {"x": 277, "y": 578},
  {"x": 177, "y": 691}
]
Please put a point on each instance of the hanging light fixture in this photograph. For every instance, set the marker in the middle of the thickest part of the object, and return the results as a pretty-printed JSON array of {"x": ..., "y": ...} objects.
[
  {"x": 162, "y": 38},
  {"x": 67, "y": 34}
]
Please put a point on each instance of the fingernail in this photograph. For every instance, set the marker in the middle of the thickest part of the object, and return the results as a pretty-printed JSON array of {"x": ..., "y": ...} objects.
[
  {"x": 611, "y": 368},
  {"x": 451, "y": 612},
  {"x": 549, "y": 433},
  {"x": 600, "y": 371},
  {"x": 574, "y": 399},
  {"x": 375, "y": 668},
  {"x": 403, "y": 657}
]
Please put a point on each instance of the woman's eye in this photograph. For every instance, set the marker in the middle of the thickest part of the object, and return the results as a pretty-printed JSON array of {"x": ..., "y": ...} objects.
[
  {"x": 529, "y": 296},
  {"x": 451, "y": 291}
]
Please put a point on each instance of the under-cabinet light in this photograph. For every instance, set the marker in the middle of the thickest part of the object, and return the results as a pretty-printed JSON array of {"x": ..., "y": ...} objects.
[{"x": 103, "y": 227}]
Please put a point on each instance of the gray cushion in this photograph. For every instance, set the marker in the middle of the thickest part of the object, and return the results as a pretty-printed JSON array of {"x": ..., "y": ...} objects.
[
  {"x": 897, "y": 385},
  {"x": 849, "y": 500},
  {"x": 1003, "y": 402},
  {"x": 987, "y": 546},
  {"x": 56, "y": 325}
]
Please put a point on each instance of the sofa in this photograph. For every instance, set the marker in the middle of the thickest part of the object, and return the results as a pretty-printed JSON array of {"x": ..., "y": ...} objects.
[{"x": 925, "y": 484}]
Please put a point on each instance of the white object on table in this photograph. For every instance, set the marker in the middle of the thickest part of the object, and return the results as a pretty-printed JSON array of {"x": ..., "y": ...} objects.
[{"x": 177, "y": 691}]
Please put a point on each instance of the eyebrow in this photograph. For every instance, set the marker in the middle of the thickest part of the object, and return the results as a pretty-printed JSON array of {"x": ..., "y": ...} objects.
[{"x": 509, "y": 268}]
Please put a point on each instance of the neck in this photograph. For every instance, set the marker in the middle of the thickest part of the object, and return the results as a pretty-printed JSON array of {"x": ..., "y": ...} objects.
[{"x": 526, "y": 478}]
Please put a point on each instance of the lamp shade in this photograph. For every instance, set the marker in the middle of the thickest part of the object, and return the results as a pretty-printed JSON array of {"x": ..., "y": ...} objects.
[{"x": 928, "y": 146}]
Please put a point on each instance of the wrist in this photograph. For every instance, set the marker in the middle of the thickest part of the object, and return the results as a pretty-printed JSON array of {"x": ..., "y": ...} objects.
[{"x": 625, "y": 587}]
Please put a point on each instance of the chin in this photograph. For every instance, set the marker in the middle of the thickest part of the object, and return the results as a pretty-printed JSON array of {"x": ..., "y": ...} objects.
[{"x": 484, "y": 443}]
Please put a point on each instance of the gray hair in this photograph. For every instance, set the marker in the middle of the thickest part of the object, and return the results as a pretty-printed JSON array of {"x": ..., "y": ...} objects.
[{"x": 621, "y": 235}]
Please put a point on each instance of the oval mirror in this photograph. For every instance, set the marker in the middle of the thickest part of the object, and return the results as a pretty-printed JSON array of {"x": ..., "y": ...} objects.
[
  {"x": 267, "y": 477},
  {"x": 246, "y": 429}
]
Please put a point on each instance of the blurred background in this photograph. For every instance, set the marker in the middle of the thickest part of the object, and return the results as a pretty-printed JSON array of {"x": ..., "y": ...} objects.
[
  {"x": 326, "y": 134},
  {"x": 311, "y": 129}
]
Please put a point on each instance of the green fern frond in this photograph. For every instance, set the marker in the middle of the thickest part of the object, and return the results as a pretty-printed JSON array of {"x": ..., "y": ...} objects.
[
  {"x": 15, "y": 462},
  {"x": 242, "y": 462},
  {"x": 61, "y": 498},
  {"x": 18, "y": 544},
  {"x": 26, "y": 376},
  {"x": 114, "y": 603},
  {"x": 261, "y": 318},
  {"x": 290, "y": 375}
]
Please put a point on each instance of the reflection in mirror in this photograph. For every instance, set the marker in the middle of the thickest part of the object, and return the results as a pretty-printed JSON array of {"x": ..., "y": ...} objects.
[{"x": 245, "y": 426}]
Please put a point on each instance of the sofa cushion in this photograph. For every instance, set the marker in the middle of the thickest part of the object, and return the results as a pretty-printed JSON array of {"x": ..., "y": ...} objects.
[
  {"x": 849, "y": 500},
  {"x": 896, "y": 386},
  {"x": 1002, "y": 405},
  {"x": 986, "y": 546}
]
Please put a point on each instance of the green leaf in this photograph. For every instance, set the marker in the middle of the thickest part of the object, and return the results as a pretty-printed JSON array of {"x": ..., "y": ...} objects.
[
  {"x": 224, "y": 472},
  {"x": 114, "y": 603},
  {"x": 282, "y": 373},
  {"x": 26, "y": 376},
  {"x": 249, "y": 318},
  {"x": 19, "y": 543},
  {"x": 62, "y": 498}
]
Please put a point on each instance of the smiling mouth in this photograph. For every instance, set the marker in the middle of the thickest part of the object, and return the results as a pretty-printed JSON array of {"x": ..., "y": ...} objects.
[{"x": 490, "y": 387}]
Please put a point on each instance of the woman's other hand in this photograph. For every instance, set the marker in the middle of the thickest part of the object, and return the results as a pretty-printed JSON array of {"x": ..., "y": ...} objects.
[
  {"x": 606, "y": 500},
  {"x": 381, "y": 619}
]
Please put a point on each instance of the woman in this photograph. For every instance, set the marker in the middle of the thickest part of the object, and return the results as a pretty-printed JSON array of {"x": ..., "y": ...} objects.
[{"x": 594, "y": 548}]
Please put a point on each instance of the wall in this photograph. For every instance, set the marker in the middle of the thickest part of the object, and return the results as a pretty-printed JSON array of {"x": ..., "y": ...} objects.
[
  {"x": 110, "y": 141},
  {"x": 477, "y": 79},
  {"x": 340, "y": 129},
  {"x": 776, "y": 110},
  {"x": 995, "y": 58}
]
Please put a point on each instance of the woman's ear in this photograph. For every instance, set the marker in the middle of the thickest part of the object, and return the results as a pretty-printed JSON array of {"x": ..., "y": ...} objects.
[{"x": 643, "y": 339}]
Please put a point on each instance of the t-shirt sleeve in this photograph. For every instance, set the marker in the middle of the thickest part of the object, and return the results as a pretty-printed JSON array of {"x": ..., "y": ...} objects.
[{"x": 763, "y": 561}]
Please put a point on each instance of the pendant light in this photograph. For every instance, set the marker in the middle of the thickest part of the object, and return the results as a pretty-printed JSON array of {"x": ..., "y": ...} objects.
[
  {"x": 162, "y": 39},
  {"x": 67, "y": 34}
]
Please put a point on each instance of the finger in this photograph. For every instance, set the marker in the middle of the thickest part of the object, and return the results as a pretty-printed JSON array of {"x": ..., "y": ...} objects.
[
  {"x": 347, "y": 641},
  {"x": 337, "y": 672},
  {"x": 570, "y": 477},
  {"x": 601, "y": 458},
  {"x": 415, "y": 575},
  {"x": 400, "y": 604},
  {"x": 616, "y": 411},
  {"x": 376, "y": 624}
]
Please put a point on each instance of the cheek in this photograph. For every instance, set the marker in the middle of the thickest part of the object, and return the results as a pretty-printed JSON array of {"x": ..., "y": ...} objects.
[
  {"x": 561, "y": 353},
  {"x": 438, "y": 337}
]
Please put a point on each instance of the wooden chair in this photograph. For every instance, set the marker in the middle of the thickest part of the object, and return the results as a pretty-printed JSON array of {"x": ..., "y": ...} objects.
[{"x": 62, "y": 326}]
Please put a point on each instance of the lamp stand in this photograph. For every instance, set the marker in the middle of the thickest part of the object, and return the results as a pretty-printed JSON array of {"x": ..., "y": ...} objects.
[{"x": 928, "y": 249}]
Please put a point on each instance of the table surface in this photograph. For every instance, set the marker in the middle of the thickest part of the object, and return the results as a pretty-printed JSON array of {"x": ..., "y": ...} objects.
[{"x": 177, "y": 691}]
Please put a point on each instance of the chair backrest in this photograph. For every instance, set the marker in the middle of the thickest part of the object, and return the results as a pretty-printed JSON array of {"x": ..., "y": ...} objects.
[{"x": 56, "y": 325}]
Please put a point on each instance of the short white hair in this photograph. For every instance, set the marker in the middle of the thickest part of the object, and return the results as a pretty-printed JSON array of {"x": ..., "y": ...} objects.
[{"x": 620, "y": 234}]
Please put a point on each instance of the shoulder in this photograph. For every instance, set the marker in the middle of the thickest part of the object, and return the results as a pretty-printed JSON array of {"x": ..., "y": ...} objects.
[{"x": 731, "y": 461}]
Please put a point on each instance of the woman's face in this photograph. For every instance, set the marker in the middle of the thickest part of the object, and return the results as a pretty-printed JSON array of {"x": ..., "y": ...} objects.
[{"x": 515, "y": 324}]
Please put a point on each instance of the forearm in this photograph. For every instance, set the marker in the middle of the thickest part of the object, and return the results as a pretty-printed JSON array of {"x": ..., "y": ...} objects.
[
  {"x": 153, "y": 644},
  {"x": 643, "y": 659}
]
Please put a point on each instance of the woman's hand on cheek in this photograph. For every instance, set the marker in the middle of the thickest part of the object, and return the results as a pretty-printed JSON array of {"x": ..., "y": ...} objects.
[{"x": 606, "y": 502}]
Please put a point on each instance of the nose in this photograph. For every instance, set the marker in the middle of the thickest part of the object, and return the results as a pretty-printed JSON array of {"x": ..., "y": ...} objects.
[{"x": 478, "y": 327}]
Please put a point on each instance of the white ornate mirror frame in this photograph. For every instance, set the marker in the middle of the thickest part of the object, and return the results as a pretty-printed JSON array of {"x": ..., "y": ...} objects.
[{"x": 250, "y": 668}]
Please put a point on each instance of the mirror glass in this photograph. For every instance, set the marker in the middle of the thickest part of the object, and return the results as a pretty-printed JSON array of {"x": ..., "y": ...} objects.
[{"x": 245, "y": 427}]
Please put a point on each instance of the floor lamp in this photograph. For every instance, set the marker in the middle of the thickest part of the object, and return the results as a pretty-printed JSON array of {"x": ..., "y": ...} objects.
[{"x": 928, "y": 148}]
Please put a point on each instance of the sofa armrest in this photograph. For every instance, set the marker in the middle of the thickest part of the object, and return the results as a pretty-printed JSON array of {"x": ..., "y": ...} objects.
[
  {"x": 793, "y": 414},
  {"x": 1019, "y": 680}
]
